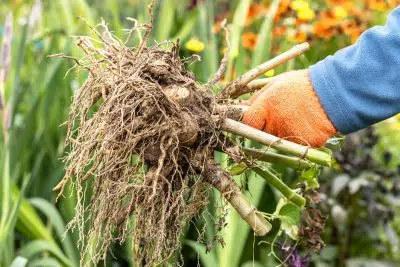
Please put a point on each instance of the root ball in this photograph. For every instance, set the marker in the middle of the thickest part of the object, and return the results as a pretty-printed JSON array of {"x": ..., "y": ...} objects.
[{"x": 139, "y": 130}]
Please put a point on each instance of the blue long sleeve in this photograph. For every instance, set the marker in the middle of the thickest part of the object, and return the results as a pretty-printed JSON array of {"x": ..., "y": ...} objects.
[{"x": 360, "y": 85}]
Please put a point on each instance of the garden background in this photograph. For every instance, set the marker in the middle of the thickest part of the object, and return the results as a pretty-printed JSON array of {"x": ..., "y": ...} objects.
[{"x": 360, "y": 193}]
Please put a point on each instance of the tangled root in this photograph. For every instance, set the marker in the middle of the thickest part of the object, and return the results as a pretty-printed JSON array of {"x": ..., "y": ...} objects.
[{"x": 140, "y": 129}]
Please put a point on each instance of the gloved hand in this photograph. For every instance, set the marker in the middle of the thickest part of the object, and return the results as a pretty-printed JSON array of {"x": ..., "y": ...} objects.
[{"x": 289, "y": 108}]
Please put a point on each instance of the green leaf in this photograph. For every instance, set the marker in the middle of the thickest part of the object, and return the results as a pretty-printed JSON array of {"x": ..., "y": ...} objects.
[
  {"x": 238, "y": 24},
  {"x": 290, "y": 213},
  {"x": 19, "y": 262},
  {"x": 45, "y": 262},
  {"x": 237, "y": 169},
  {"x": 29, "y": 222},
  {"x": 188, "y": 26},
  {"x": 39, "y": 246},
  {"x": 58, "y": 223},
  {"x": 263, "y": 47},
  {"x": 165, "y": 19},
  {"x": 310, "y": 177}
]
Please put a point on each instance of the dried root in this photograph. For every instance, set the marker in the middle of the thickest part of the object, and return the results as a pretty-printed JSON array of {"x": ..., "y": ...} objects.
[{"x": 141, "y": 130}]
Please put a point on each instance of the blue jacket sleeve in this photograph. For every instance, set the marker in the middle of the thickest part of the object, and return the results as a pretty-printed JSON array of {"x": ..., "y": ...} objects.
[{"x": 360, "y": 85}]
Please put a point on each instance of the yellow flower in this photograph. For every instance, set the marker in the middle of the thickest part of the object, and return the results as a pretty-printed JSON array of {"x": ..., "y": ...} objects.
[
  {"x": 340, "y": 12},
  {"x": 398, "y": 117},
  {"x": 306, "y": 14},
  {"x": 270, "y": 73},
  {"x": 299, "y": 5},
  {"x": 195, "y": 45}
]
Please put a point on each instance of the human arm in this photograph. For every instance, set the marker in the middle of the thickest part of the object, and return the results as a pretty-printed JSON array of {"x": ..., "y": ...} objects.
[{"x": 354, "y": 88}]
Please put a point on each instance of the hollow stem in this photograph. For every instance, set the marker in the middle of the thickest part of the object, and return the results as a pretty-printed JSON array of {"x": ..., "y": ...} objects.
[
  {"x": 291, "y": 162},
  {"x": 243, "y": 80},
  {"x": 231, "y": 191},
  {"x": 280, "y": 144},
  {"x": 280, "y": 186}
]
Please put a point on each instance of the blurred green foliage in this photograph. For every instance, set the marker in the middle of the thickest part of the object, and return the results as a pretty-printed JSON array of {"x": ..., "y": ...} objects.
[{"x": 38, "y": 93}]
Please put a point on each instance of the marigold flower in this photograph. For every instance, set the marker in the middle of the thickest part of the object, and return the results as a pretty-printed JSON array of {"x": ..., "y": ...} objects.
[
  {"x": 352, "y": 29},
  {"x": 306, "y": 14},
  {"x": 336, "y": 2},
  {"x": 339, "y": 12},
  {"x": 303, "y": 9},
  {"x": 282, "y": 9},
  {"x": 279, "y": 31},
  {"x": 195, "y": 45},
  {"x": 299, "y": 5},
  {"x": 326, "y": 26},
  {"x": 249, "y": 40},
  {"x": 378, "y": 5},
  {"x": 255, "y": 11},
  {"x": 297, "y": 37}
]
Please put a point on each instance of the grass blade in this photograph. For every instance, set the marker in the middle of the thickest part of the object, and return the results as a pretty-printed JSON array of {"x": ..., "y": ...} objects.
[
  {"x": 40, "y": 246},
  {"x": 29, "y": 222},
  {"x": 165, "y": 19},
  {"x": 45, "y": 262},
  {"x": 263, "y": 47},
  {"x": 59, "y": 226},
  {"x": 19, "y": 262}
]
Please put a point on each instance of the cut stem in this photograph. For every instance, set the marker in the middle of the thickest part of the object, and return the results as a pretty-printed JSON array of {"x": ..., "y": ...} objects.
[
  {"x": 280, "y": 144},
  {"x": 252, "y": 86},
  {"x": 281, "y": 186},
  {"x": 231, "y": 192},
  {"x": 243, "y": 80},
  {"x": 291, "y": 162}
]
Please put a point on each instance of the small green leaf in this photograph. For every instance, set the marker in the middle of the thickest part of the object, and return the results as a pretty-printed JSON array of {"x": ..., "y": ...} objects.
[
  {"x": 290, "y": 213},
  {"x": 310, "y": 177},
  {"x": 238, "y": 169}
]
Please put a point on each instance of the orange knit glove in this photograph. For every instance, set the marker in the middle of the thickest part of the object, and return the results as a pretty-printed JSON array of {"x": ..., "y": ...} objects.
[{"x": 289, "y": 108}]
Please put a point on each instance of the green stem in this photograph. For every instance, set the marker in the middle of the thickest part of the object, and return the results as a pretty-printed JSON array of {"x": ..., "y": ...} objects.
[
  {"x": 291, "y": 162},
  {"x": 313, "y": 155},
  {"x": 281, "y": 186}
]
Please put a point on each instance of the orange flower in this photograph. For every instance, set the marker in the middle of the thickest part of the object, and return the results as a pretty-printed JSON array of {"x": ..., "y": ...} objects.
[
  {"x": 349, "y": 26},
  {"x": 326, "y": 26},
  {"x": 218, "y": 23},
  {"x": 255, "y": 11},
  {"x": 279, "y": 31},
  {"x": 393, "y": 3},
  {"x": 297, "y": 37},
  {"x": 351, "y": 29},
  {"x": 283, "y": 8},
  {"x": 378, "y": 5},
  {"x": 336, "y": 2},
  {"x": 249, "y": 40}
]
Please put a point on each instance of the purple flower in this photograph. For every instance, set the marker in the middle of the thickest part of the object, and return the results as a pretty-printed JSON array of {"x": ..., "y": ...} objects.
[{"x": 292, "y": 257}]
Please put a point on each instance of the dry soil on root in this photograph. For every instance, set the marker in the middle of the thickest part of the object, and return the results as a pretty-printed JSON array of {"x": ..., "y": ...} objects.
[{"x": 140, "y": 129}]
